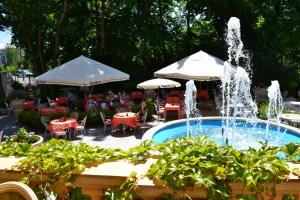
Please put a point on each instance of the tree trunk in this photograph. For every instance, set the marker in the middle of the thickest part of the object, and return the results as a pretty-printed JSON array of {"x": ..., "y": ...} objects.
[
  {"x": 277, "y": 7},
  {"x": 162, "y": 29},
  {"x": 29, "y": 43},
  {"x": 39, "y": 39},
  {"x": 188, "y": 26},
  {"x": 57, "y": 32},
  {"x": 98, "y": 29},
  {"x": 103, "y": 11}
]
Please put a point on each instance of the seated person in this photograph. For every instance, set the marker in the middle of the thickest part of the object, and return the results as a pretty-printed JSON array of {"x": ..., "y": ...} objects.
[
  {"x": 71, "y": 99},
  {"x": 91, "y": 104},
  {"x": 141, "y": 113}
]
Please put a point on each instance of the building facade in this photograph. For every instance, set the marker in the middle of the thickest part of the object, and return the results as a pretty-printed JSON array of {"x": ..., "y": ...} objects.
[{"x": 3, "y": 57}]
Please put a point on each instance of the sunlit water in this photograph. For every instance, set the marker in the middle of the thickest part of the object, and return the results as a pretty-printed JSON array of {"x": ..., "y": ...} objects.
[{"x": 246, "y": 135}]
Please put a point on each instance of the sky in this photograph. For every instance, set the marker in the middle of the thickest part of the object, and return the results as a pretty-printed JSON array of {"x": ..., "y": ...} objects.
[{"x": 5, "y": 37}]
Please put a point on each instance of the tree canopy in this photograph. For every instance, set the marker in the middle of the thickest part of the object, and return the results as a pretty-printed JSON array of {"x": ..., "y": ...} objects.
[{"x": 142, "y": 36}]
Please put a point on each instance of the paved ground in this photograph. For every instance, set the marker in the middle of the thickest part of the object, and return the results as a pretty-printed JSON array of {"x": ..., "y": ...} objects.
[{"x": 94, "y": 136}]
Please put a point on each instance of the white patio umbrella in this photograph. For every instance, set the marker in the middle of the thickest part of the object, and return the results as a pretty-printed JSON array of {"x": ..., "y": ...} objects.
[
  {"x": 156, "y": 84},
  {"x": 199, "y": 66},
  {"x": 81, "y": 71}
]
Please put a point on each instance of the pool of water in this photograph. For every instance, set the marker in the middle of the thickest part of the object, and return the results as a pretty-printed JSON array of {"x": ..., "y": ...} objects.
[{"x": 244, "y": 134}]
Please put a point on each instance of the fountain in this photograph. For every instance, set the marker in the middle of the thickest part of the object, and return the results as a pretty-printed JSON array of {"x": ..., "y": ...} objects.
[
  {"x": 236, "y": 83},
  {"x": 239, "y": 125},
  {"x": 190, "y": 107},
  {"x": 275, "y": 106}
]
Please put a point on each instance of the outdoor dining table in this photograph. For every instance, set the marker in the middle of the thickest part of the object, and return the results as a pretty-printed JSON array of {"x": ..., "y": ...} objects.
[
  {"x": 28, "y": 105},
  {"x": 64, "y": 123},
  {"x": 125, "y": 118},
  {"x": 172, "y": 107},
  {"x": 292, "y": 119},
  {"x": 137, "y": 95},
  {"x": 50, "y": 111},
  {"x": 202, "y": 94},
  {"x": 61, "y": 101},
  {"x": 294, "y": 105}
]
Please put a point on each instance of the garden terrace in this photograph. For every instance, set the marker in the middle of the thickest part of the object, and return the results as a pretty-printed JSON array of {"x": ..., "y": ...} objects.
[{"x": 94, "y": 181}]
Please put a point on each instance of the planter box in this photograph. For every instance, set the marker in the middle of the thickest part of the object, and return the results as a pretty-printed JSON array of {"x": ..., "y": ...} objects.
[{"x": 93, "y": 181}]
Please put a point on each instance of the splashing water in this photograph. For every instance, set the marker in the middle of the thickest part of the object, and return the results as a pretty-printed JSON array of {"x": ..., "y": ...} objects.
[
  {"x": 237, "y": 101},
  {"x": 236, "y": 82},
  {"x": 275, "y": 106},
  {"x": 190, "y": 105}
]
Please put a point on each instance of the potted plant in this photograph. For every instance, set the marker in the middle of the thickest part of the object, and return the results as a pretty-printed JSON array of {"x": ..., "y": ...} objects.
[{"x": 22, "y": 136}]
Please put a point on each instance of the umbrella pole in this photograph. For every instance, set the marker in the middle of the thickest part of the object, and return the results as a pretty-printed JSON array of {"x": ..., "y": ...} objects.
[{"x": 157, "y": 107}]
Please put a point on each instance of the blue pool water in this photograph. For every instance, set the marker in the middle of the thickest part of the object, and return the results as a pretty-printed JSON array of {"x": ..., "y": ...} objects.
[{"x": 244, "y": 135}]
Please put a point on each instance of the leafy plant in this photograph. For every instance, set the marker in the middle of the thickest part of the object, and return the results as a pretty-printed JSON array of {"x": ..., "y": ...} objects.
[
  {"x": 199, "y": 161},
  {"x": 262, "y": 109},
  {"x": 291, "y": 152},
  {"x": 23, "y": 136},
  {"x": 14, "y": 149},
  {"x": 127, "y": 190}
]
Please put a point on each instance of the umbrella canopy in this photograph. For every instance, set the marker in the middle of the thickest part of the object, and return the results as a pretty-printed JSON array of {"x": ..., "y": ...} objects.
[
  {"x": 199, "y": 66},
  {"x": 81, "y": 71},
  {"x": 158, "y": 83}
]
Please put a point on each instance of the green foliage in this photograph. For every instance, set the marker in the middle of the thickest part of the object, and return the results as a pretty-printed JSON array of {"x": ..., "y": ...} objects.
[
  {"x": 76, "y": 194},
  {"x": 180, "y": 163},
  {"x": 17, "y": 86},
  {"x": 262, "y": 110},
  {"x": 216, "y": 166},
  {"x": 291, "y": 152},
  {"x": 22, "y": 136},
  {"x": 128, "y": 189},
  {"x": 11, "y": 68},
  {"x": 14, "y": 149},
  {"x": 30, "y": 119},
  {"x": 2, "y": 102}
]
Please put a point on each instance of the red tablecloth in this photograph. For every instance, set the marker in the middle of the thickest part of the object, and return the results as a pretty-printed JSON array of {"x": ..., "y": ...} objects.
[
  {"x": 47, "y": 111},
  {"x": 173, "y": 100},
  {"x": 28, "y": 105},
  {"x": 61, "y": 101},
  {"x": 137, "y": 95},
  {"x": 127, "y": 118},
  {"x": 175, "y": 93},
  {"x": 57, "y": 110},
  {"x": 61, "y": 110},
  {"x": 202, "y": 93},
  {"x": 172, "y": 107},
  {"x": 69, "y": 122}
]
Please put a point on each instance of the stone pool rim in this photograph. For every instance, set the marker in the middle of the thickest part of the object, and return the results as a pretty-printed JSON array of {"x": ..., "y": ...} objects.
[{"x": 152, "y": 131}]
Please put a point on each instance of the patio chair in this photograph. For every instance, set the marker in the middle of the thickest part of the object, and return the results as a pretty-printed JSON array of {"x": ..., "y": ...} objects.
[
  {"x": 58, "y": 131},
  {"x": 52, "y": 104},
  {"x": 45, "y": 121},
  {"x": 74, "y": 115},
  {"x": 16, "y": 190},
  {"x": 160, "y": 111},
  {"x": 81, "y": 126},
  {"x": 9, "y": 109},
  {"x": 106, "y": 122},
  {"x": 142, "y": 123}
]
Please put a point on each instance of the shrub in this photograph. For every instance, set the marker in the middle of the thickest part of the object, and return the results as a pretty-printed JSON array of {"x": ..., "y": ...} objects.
[
  {"x": 262, "y": 109},
  {"x": 17, "y": 86},
  {"x": 30, "y": 119},
  {"x": 22, "y": 136},
  {"x": 2, "y": 103}
]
